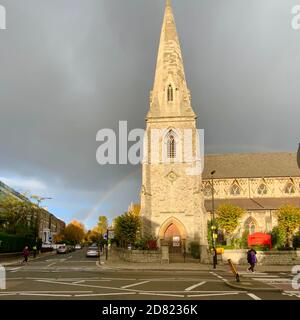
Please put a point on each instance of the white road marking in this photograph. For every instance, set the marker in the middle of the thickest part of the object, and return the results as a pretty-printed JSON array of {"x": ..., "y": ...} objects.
[
  {"x": 161, "y": 294},
  {"x": 50, "y": 291},
  {"x": 45, "y": 295},
  {"x": 83, "y": 285},
  {"x": 260, "y": 276},
  {"x": 105, "y": 294},
  {"x": 279, "y": 280},
  {"x": 80, "y": 281},
  {"x": 51, "y": 264},
  {"x": 122, "y": 279},
  {"x": 213, "y": 294},
  {"x": 12, "y": 269},
  {"x": 255, "y": 273},
  {"x": 195, "y": 286},
  {"x": 134, "y": 284},
  {"x": 253, "y": 296}
]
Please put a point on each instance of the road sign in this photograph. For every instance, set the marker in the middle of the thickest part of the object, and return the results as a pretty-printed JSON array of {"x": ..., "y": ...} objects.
[
  {"x": 111, "y": 234},
  {"x": 105, "y": 236}
]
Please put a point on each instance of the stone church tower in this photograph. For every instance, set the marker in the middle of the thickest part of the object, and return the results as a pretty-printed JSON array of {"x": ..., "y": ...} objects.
[{"x": 172, "y": 203}]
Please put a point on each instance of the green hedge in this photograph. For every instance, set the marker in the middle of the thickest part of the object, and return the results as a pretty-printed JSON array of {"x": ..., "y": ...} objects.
[
  {"x": 195, "y": 250},
  {"x": 14, "y": 243}
]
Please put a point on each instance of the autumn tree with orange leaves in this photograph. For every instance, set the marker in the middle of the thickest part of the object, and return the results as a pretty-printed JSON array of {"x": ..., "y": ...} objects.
[{"x": 74, "y": 232}]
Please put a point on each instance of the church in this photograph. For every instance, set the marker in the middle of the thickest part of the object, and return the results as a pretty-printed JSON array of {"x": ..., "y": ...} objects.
[
  {"x": 172, "y": 202},
  {"x": 175, "y": 204}
]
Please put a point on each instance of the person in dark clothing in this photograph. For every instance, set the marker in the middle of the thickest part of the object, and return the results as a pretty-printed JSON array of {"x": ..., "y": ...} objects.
[
  {"x": 251, "y": 258},
  {"x": 215, "y": 258},
  {"x": 25, "y": 254}
]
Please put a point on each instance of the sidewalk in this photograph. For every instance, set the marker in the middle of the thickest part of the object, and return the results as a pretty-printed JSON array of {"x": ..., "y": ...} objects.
[
  {"x": 17, "y": 260},
  {"x": 115, "y": 263}
]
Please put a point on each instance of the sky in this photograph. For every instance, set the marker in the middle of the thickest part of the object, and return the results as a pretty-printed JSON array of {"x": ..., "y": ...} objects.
[{"x": 69, "y": 68}]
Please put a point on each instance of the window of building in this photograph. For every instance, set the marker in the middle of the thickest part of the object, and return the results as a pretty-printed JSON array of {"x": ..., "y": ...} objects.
[
  {"x": 171, "y": 147},
  {"x": 262, "y": 189},
  {"x": 250, "y": 225},
  {"x": 170, "y": 94},
  {"x": 207, "y": 190},
  {"x": 235, "y": 190},
  {"x": 290, "y": 188}
]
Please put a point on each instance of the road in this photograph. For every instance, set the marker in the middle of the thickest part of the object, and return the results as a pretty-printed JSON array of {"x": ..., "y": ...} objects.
[{"x": 73, "y": 276}]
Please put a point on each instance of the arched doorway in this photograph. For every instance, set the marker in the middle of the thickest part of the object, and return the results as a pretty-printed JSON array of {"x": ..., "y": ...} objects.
[{"x": 173, "y": 232}]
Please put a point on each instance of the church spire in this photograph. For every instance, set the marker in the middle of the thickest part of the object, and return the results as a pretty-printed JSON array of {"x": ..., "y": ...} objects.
[{"x": 170, "y": 95}]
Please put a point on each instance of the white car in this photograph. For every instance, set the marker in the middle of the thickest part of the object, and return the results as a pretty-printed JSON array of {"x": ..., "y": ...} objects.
[
  {"x": 93, "y": 252},
  {"x": 62, "y": 249},
  {"x": 78, "y": 247}
]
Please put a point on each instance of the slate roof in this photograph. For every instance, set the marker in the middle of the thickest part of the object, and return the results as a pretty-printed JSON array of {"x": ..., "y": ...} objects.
[{"x": 251, "y": 165}]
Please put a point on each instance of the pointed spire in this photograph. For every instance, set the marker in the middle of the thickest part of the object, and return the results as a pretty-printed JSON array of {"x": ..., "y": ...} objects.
[{"x": 170, "y": 69}]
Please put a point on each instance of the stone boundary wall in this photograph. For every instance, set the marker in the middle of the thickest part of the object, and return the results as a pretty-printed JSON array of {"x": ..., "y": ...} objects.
[
  {"x": 263, "y": 257},
  {"x": 140, "y": 256}
]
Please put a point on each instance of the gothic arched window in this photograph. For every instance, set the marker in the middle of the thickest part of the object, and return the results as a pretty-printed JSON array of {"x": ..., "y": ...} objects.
[
  {"x": 207, "y": 190},
  {"x": 171, "y": 145},
  {"x": 170, "y": 93},
  {"x": 250, "y": 225},
  {"x": 235, "y": 190},
  {"x": 290, "y": 188},
  {"x": 262, "y": 189}
]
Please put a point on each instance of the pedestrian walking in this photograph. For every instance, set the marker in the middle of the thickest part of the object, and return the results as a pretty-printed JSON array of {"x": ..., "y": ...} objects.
[
  {"x": 25, "y": 254},
  {"x": 252, "y": 260}
]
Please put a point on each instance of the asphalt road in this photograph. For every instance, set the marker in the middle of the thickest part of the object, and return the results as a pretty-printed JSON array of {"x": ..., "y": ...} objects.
[{"x": 73, "y": 276}]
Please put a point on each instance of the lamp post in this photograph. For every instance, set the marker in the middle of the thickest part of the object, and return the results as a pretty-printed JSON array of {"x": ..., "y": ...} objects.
[
  {"x": 39, "y": 200},
  {"x": 213, "y": 227},
  {"x": 298, "y": 156},
  {"x": 213, "y": 205}
]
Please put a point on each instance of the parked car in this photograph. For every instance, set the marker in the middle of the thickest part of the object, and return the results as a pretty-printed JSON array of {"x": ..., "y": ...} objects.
[
  {"x": 62, "y": 248},
  {"x": 71, "y": 248},
  {"x": 93, "y": 252},
  {"x": 78, "y": 247}
]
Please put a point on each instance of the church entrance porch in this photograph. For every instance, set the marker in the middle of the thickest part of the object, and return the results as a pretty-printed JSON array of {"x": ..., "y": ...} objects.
[{"x": 176, "y": 240}]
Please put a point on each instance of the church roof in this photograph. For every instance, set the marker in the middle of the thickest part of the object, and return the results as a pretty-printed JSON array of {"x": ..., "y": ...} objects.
[
  {"x": 251, "y": 165},
  {"x": 255, "y": 204}
]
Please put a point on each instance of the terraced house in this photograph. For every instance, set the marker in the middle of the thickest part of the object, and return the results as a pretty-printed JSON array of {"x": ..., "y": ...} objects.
[{"x": 49, "y": 225}]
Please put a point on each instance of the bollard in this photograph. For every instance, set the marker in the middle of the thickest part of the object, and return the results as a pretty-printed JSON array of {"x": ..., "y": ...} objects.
[{"x": 2, "y": 278}]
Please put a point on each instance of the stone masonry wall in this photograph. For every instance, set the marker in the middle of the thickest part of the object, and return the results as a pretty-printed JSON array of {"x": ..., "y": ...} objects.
[
  {"x": 140, "y": 256},
  {"x": 263, "y": 258}
]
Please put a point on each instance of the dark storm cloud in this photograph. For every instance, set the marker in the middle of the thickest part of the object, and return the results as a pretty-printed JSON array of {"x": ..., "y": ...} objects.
[{"x": 71, "y": 67}]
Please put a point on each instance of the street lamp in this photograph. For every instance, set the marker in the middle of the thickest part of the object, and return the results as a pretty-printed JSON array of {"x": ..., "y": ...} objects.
[
  {"x": 298, "y": 156},
  {"x": 213, "y": 227},
  {"x": 39, "y": 200}
]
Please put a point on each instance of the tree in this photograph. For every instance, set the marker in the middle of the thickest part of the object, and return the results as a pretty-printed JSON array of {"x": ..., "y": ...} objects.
[
  {"x": 289, "y": 222},
  {"x": 57, "y": 238},
  {"x": 102, "y": 225},
  {"x": 94, "y": 235},
  {"x": 18, "y": 217},
  {"x": 74, "y": 232},
  {"x": 228, "y": 217},
  {"x": 126, "y": 228}
]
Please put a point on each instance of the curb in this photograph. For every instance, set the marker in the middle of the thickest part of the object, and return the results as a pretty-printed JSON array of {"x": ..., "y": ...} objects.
[{"x": 241, "y": 287}]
